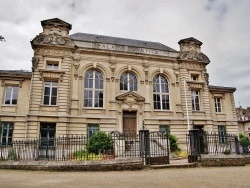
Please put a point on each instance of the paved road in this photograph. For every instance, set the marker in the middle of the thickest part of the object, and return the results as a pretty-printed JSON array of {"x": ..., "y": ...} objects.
[{"x": 192, "y": 177}]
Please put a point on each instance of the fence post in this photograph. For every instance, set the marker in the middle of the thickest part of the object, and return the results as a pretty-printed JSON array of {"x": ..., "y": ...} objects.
[
  {"x": 237, "y": 145},
  {"x": 144, "y": 146},
  {"x": 196, "y": 144}
]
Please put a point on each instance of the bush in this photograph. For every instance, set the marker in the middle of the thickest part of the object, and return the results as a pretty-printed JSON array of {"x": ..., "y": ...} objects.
[
  {"x": 173, "y": 143},
  {"x": 182, "y": 154},
  {"x": 244, "y": 141},
  {"x": 227, "y": 151},
  {"x": 99, "y": 143},
  {"x": 84, "y": 155},
  {"x": 12, "y": 156}
]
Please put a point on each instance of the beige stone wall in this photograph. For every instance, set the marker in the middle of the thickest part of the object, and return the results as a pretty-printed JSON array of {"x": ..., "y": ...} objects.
[{"x": 16, "y": 113}]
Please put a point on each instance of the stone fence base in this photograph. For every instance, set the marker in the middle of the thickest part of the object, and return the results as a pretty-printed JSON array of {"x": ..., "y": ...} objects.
[
  {"x": 105, "y": 165},
  {"x": 224, "y": 160}
]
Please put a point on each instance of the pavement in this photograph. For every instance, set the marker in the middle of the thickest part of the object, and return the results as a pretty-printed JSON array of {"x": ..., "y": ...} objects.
[{"x": 175, "y": 163}]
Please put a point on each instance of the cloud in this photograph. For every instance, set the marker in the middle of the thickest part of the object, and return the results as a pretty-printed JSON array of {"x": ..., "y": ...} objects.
[{"x": 221, "y": 25}]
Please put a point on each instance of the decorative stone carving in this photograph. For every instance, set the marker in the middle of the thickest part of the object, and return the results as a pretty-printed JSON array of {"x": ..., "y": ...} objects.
[
  {"x": 76, "y": 65},
  {"x": 52, "y": 39},
  {"x": 146, "y": 72},
  {"x": 206, "y": 75},
  {"x": 194, "y": 56},
  {"x": 35, "y": 62},
  {"x": 130, "y": 98},
  {"x": 112, "y": 62}
]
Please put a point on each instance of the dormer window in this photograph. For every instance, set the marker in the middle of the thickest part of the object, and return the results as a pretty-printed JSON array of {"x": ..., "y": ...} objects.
[
  {"x": 53, "y": 65},
  {"x": 194, "y": 77}
]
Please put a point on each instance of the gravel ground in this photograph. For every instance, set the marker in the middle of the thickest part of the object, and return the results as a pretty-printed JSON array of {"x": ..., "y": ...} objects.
[{"x": 188, "y": 177}]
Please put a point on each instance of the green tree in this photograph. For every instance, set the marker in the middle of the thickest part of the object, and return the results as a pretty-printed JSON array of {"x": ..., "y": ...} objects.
[{"x": 99, "y": 142}]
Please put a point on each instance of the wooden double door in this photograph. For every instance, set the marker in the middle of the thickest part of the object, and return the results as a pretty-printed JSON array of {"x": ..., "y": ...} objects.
[{"x": 129, "y": 122}]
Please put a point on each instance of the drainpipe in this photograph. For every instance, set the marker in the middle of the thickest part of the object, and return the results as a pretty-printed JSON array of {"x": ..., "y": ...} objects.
[{"x": 186, "y": 103}]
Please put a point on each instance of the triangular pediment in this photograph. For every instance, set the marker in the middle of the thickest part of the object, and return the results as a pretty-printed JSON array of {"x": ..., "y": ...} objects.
[
  {"x": 56, "y": 22},
  {"x": 130, "y": 96}
]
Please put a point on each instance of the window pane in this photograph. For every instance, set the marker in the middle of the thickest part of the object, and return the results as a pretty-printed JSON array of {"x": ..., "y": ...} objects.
[
  {"x": 46, "y": 100},
  {"x": 14, "y": 101},
  {"x": 53, "y": 100},
  {"x": 54, "y": 91},
  {"x": 46, "y": 91}
]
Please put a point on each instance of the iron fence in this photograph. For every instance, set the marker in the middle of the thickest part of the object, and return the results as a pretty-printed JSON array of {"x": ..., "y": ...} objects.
[
  {"x": 201, "y": 142},
  {"x": 152, "y": 147}
]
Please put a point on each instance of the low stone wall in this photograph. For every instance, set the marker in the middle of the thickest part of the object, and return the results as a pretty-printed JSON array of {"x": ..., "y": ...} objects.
[
  {"x": 105, "y": 165},
  {"x": 224, "y": 160}
]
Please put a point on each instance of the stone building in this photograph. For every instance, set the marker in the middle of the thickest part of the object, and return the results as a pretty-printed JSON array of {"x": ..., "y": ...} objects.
[
  {"x": 243, "y": 117},
  {"x": 82, "y": 83}
]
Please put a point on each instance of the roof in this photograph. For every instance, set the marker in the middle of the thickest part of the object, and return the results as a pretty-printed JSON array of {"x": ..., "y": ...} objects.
[
  {"x": 57, "y": 22},
  {"x": 19, "y": 73},
  {"x": 120, "y": 41},
  {"x": 189, "y": 40},
  {"x": 221, "y": 88}
]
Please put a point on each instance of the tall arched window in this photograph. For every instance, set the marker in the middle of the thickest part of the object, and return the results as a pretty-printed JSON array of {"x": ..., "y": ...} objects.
[
  {"x": 161, "y": 93},
  {"x": 128, "y": 82},
  {"x": 93, "y": 89}
]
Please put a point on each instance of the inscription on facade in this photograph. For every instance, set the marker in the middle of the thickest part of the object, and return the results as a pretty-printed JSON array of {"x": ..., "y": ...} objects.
[{"x": 130, "y": 49}]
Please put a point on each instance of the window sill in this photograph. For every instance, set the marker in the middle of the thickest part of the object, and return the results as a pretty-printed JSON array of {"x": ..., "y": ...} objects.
[
  {"x": 48, "y": 108},
  {"x": 45, "y": 105},
  {"x": 9, "y": 108}
]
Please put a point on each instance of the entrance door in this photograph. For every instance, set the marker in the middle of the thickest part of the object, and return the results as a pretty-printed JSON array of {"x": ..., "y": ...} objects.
[{"x": 129, "y": 122}]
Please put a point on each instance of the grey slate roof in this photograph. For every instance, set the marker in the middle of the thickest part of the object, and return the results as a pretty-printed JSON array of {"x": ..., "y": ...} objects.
[
  {"x": 16, "y": 72},
  {"x": 120, "y": 41}
]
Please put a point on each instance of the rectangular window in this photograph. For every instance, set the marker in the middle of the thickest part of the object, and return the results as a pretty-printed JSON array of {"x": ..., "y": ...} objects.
[
  {"x": 164, "y": 129},
  {"x": 222, "y": 134},
  {"x": 50, "y": 93},
  {"x": 194, "y": 77},
  {"x": 6, "y": 133},
  {"x": 195, "y": 100},
  {"x": 52, "y": 65},
  {"x": 11, "y": 94},
  {"x": 217, "y": 103},
  {"x": 91, "y": 129},
  {"x": 47, "y": 134}
]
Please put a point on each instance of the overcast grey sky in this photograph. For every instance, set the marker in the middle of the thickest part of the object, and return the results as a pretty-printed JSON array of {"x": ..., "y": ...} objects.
[{"x": 222, "y": 25}]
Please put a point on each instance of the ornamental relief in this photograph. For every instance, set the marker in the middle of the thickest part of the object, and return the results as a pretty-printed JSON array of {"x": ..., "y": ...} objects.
[
  {"x": 194, "y": 56},
  {"x": 53, "y": 39}
]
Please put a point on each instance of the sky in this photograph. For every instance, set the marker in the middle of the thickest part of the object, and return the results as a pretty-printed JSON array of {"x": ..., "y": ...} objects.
[{"x": 222, "y": 26}]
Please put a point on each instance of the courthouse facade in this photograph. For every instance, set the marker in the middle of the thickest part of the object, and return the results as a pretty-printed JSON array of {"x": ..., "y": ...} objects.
[{"x": 82, "y": 83}]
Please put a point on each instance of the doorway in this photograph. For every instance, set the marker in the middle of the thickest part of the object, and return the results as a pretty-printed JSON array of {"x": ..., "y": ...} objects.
[{"x": 129, "y": 122}]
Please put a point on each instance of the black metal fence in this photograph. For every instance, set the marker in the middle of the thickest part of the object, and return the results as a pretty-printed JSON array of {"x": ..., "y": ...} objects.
[
  {"x": 200, "y": 142},
  {"x": 152, "y": 147}
]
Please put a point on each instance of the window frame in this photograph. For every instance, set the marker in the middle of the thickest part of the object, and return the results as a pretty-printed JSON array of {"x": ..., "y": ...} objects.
[
  {"x": 50, "y": 96},
  {"x": 49, "y": 140},
  {"x": 159, "y": 103},
  {"x": 92, "y": 128},
  {"x": 52, "y": 65},
  {"x": 195, "y": 94},
  {"x": 11, "y": 98},
  {"x": 92, "y": 94},
  {"x": 218, "y": 104},
  {"x": 164, "y": 127},
  {"x": 9, "y": 133},
  {"x": 195, "y": 77},
  {"x": 222, "y": 134},
  {"x": 125, "y": 81}
]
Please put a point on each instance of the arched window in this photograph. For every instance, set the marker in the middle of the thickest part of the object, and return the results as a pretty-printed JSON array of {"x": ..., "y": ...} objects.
[
  {"x": 93, "y": 89},
  {"x": 128, "y": 82},
  {"x": 160, "y": 93}
]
